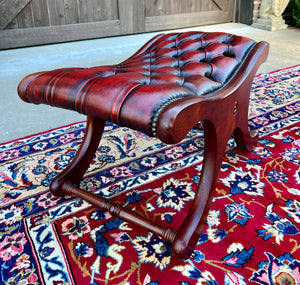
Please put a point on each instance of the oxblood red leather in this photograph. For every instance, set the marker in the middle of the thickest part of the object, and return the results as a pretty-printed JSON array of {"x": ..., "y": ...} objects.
[{"x": 168, "y": 68}]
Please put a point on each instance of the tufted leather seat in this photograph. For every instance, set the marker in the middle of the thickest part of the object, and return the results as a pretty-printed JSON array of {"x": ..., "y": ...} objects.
[
  {"x": 163, "y": 90},
  {"x": 170, "y": 67}
]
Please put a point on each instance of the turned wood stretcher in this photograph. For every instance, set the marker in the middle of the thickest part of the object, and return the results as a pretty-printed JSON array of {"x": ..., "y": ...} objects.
[{"x": 174, "y": 83}]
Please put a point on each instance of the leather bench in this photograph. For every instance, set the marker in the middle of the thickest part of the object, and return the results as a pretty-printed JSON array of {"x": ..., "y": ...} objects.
[{"x": 174, "y": 83}]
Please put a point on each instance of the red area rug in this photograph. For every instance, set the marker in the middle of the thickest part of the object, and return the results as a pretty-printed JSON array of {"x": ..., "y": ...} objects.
[{"x": 252, "y": 231}]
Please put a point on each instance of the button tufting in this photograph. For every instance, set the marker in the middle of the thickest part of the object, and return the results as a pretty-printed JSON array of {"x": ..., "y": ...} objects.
[{"x": 171, "y": 67}]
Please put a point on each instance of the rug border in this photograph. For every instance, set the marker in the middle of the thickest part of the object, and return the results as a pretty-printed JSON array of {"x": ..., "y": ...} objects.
[
  {"x": 278, "y": 70},
  {"x": 42, "y": 133}
]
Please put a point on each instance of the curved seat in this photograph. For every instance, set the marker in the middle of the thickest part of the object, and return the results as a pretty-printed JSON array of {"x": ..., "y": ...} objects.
[{"x": 166, "y": 88}]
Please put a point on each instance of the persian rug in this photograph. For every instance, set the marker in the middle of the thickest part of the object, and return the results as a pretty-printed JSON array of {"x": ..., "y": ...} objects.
[{"x": 252, "y": 231}]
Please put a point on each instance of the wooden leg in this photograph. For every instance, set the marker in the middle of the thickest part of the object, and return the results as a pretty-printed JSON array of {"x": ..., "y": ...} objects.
[
  {"x": 76, "y": 169},
  {"x": 245, "y": 139},
  {"x": 189, "y": 233},
  {"x": 216, "y": 135}
]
